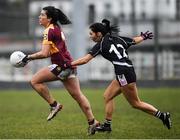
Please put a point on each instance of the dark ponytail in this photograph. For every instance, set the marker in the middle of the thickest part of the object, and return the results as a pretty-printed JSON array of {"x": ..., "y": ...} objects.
[
  {"x": 56, "y": 15},
  {"x": 104, "y": 27},
  {"x": 63, "y": 19}
]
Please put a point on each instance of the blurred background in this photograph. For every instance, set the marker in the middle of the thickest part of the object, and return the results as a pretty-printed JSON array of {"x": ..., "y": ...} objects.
[{"x": 156, "y": 62}]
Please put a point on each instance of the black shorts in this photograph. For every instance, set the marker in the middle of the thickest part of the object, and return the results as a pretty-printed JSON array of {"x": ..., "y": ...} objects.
[{"x": 125, "y": 75}]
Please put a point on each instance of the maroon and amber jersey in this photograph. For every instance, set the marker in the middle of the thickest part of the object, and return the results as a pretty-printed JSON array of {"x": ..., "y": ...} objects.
[{"x": 54, "y": 37}]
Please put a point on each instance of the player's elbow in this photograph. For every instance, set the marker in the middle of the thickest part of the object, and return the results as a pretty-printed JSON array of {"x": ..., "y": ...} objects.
[{"x": 44, "y": 55}]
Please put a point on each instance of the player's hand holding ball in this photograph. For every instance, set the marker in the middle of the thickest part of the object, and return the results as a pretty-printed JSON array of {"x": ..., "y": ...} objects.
[
  {"x": 26, "y": 60},
  {"x": 19, "y": 59},
  {"x": 146, "y": 35}
]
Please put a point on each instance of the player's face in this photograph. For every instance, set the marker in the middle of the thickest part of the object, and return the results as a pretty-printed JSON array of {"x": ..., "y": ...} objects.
[
  {"x": 96, "y": 37},
  {"x": 43, "y": 20}
]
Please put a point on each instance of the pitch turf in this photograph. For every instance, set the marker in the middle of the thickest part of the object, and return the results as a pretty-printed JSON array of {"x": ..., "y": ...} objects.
[{"x": 23, "y": 116}]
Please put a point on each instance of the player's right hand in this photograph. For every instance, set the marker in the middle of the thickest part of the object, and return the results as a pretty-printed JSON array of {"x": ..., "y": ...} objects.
[{"x": 68, "y": 65}]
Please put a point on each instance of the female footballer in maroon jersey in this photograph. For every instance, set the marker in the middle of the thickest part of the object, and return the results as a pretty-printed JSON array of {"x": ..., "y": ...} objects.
[
  {"x": 114, "y": 48},
  {"x": 54, "y": 46}
]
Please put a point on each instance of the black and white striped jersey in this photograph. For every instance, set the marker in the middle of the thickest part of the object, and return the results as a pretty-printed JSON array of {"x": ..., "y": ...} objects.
[{"x": 114, "y": 48}]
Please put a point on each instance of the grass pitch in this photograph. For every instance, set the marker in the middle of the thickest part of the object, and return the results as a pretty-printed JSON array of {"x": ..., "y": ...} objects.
[{"x": 23, "y": 116}]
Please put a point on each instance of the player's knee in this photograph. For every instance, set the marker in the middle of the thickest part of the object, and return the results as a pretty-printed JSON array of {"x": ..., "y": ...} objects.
[
  {"x": 106, "y": 97},
  {"x": 32, "y": 83}
]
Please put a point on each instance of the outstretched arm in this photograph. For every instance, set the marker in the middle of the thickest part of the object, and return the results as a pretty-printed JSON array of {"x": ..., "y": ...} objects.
[
  {"x": 82, "y": 60},
  {"x": 138, "y": 39},
  {"x": 44, "y": 53},
  {"x": 143, "y": 36}
]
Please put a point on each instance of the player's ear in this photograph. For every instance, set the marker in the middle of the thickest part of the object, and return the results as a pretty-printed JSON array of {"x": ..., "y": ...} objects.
[
  {"x": 49, "y": 19},
  {"x": 99, "y": 34}
]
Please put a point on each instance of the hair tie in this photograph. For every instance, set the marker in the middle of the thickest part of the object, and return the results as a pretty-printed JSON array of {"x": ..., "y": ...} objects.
[{"x": 104, "y": 24}]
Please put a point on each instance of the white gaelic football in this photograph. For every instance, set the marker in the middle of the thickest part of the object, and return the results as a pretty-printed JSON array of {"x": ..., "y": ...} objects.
[{"x": 16, "y": 58}]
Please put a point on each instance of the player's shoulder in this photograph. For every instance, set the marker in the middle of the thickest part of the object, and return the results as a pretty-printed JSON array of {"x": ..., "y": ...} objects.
[
  {"x": 52, "y": 28},
  {"x": 111, "y": 36}
]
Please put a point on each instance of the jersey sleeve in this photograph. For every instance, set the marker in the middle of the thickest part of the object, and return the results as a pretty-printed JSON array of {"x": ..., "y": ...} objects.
[
  {"x": 129, "y": 41},
  {"x": 48, "y": 37},
  {"x": 95, "y": 50}
]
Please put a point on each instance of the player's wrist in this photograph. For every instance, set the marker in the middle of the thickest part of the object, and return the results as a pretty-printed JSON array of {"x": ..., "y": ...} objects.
[{"x": 143, "y": 37}]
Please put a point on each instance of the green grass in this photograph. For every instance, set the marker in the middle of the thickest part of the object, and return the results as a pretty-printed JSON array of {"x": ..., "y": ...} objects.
[{"x": 23, "y": 116}]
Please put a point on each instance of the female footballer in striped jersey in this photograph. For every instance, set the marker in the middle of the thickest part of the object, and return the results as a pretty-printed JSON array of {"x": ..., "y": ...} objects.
[{"x": 114, "y": 48}]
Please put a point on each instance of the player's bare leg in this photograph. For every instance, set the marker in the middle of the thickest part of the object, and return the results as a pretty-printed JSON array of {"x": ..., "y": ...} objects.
[
  {"x": 38, "y": 83},
  {"x": 73, "y": 87},
  {"x": 110, "y": 93},
  {"x": 131, "y": 94}
]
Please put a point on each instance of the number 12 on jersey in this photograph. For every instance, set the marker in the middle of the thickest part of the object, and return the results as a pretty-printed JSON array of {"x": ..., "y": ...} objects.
[{"x": 115, "y": 50}]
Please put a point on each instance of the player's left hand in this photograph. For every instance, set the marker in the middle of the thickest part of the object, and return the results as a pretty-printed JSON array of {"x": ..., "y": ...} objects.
[
  {"x": 25, "y": 61},
  {"x": 147, "y": 35}
]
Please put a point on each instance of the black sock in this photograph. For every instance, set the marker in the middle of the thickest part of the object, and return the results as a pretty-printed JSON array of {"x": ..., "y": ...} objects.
[
  {"x": 54, "y": 104},
  {"x": 90, "y": 122},
  {"x": 107, "y": 122},
  {"x": 159, "y": 115}
]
